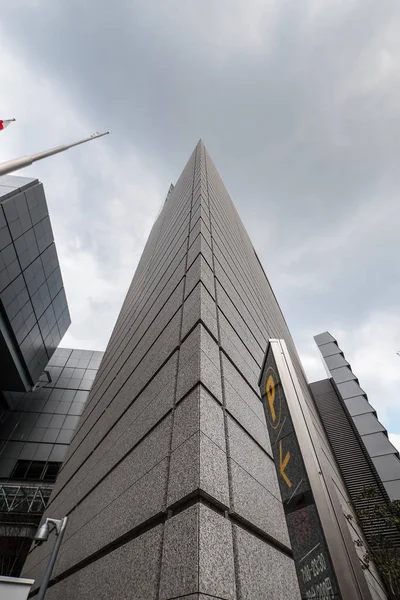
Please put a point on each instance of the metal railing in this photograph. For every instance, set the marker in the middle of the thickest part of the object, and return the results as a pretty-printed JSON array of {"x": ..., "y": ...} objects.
[{"x": 24, "y": 498}]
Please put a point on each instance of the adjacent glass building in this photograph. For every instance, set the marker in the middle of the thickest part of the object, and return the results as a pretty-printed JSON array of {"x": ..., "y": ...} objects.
[
  {"x": 34, "y": 438},
  {"x": 33, "y": 308}
]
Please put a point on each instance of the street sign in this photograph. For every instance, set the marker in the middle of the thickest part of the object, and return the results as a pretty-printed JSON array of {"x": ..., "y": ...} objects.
[{"x": 310, "y": 552}]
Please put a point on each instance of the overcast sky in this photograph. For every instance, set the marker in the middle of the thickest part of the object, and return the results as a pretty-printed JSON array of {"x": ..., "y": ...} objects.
[{"x": 298, "y": 104}]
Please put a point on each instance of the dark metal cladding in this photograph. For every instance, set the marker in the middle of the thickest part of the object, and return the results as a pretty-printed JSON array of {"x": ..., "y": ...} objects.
[{"x": 315, "y": 571}]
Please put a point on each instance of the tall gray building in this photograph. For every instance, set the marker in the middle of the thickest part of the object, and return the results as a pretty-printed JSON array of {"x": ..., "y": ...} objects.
[{"x": 169, "y": 483}]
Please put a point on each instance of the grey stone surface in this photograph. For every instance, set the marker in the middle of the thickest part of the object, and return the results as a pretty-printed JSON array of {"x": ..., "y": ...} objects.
[
  {"x": 216, "y": 563},
  {"x": 199, "y": 411},
  {"x": 252, "y": 458},
  {"x": 199, "y": 305},
  {"x": 198, "y": 555},
  {"x": 119, "y": 442},
  {"x": 134, "y": 382},
  {"x": 180, "y": 557},
  {"x": 129, "y": 573},
  {"x": 241, "y": 411},
  {"x": 199, "y": 271},
  {"x": 184, "y": 475},
  {"x": 264, "y": 573},
  {"x": 186, "y": 418},
  {"x": 159, "y": 391},
  {"x": 199, "y": 368},
  {"x": 151, "y": 303},
  {"x": 198, "y": 464},
  {"x": 140, "y": 502},
  {"x": 240, "y": 326},
  {"x": 212, "y": 419},
  {"x": 112, "y": 489},
  {"x": 238, "y": 352},
  {"x": 238, "y": 385},
  {"x": 150, "y": 451},
  {"x": 142, "y": 340},
  {"x": 253, "y": 502},
  {"x": 200, "y": 227},
  {"x": 200, "y": 213},
  {"x": 239, "y": 281},
  {"x": 238, "y": 298},
  {"x": 199, "y": 339},
  {"x": 91, "y": 527},
  {"x": 213, "y": 470},
  {"x": 200, "y": 246}
]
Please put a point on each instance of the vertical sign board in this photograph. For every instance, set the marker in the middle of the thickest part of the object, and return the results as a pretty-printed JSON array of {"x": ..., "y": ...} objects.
[{"x": 312, "y": 560}]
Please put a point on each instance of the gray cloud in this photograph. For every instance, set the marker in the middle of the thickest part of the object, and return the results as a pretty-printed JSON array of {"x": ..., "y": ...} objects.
[{"x": 297, "y": 103}]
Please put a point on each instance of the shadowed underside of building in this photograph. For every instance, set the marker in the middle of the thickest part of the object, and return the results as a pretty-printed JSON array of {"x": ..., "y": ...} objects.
[{"x": 169, "y": 483}]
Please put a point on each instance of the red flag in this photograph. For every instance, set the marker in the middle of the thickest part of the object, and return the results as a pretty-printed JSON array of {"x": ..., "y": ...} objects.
[{"x": 5, "y": 123}]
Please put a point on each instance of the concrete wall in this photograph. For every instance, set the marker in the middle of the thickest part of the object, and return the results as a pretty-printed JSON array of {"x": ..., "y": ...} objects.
[{"x": 169, "y": 483}]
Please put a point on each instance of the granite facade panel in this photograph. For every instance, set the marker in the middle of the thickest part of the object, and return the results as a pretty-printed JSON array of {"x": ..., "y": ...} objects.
[
  {"x": 198, "y": 555},
  {"x": 200, "y": 271},
  {"x": 141, "y": 501},
  {"x": 200, "y": 246},
  {"x": 254, "y": 503},
  {"x": 180, "y": 558},
  {"x": 198, "y": 464},
  {"x": 264, "y": 573},
  {"x": 128, "y": 431},
  {"x": 253, "y": 459},
  {"x": 119, "y": 574},
  {"x": 199, "y": 368},
  {"x": 199, "y": 411},
  {"x": 253, "y": 423},
  {"x": 235, "y": 384},
  {"x": 134, "y": 381},
  {"x": 199, "y": 305}
]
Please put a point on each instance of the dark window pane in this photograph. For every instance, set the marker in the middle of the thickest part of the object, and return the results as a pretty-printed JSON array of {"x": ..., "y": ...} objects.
[
  {"x": 51, "y": 471},
  {"x": 35, "y": 470},
  {"x": 20, "y": 469}
]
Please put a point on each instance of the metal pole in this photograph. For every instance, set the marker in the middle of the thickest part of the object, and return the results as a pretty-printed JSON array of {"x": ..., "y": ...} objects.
[
  {"x": 25, "y": 161},
  {"x": 54, "y": 553}
]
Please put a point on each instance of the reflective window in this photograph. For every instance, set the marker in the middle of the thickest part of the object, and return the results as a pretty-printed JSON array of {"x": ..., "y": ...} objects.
[{"x": 36, "y": 470}]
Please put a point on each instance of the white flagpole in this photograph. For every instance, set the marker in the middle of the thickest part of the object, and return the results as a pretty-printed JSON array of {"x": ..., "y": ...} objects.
[{"x": 26, "y": 161}]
